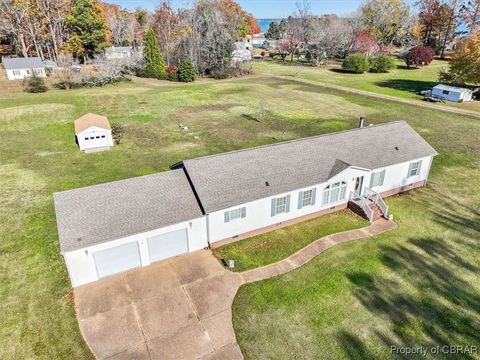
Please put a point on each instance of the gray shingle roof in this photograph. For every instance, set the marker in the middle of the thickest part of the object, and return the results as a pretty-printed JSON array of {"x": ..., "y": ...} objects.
[
  {"x": 105, "y": 212},
  {"x": 234, "y": 178},
  {"x": 22, "y": 63}
]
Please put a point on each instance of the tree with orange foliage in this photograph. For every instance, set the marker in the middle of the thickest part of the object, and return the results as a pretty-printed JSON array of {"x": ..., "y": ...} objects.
[
  {"x": 246, "y": 23},
  {"x": 465, "y": 63}
]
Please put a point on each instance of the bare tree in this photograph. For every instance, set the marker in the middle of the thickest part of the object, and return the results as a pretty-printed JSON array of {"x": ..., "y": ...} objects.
[
  {"x": 12, "y": 20},
  {"x": 330, "y": 36}
]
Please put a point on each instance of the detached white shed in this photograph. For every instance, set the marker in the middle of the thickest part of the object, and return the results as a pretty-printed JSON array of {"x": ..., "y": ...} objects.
[
  {"x": 93, "y": 133},
  {"x": 452, "y": 93}
]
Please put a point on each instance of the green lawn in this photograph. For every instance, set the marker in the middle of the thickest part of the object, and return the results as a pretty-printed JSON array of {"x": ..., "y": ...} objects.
[
  {"x": 277, "y": 245},
  {"x": 400, "y": 82},
  {"x": 418, "y": 285},
  {"x": 38, "y": 156}
]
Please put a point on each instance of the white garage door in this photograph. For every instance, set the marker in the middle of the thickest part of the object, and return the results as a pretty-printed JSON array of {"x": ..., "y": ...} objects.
[
  {"x": 167, "y": 245},
  {"x": 117, "y": 259}
]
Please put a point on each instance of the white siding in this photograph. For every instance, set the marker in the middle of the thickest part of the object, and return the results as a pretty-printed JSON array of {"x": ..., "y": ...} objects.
[
  {"x": 81, "y": 264},
  {"x": 396, "y": 175},
  {"x": 258, "y": 213},
  {"x": 95, "y": 139},
  {"x": 19, "y": 74},
  {"x": 453, "y": 95}
]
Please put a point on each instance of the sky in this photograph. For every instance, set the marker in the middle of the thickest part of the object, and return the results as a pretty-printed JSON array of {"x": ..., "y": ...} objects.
[{"x": 263, "y": 9}]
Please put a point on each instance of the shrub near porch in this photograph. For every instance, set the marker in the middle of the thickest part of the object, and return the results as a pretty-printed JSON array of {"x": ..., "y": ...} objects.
[{"x": 277, "y": 245}]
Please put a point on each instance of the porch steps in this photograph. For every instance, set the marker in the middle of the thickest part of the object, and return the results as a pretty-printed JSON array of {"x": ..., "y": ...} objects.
[{"x": 377, "y": 213}]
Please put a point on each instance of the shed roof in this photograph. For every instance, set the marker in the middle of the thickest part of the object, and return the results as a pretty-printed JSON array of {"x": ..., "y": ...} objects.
[
  {"x": 89, "y": 120},
  {"x": 22, "y": 63},
  {"x": 230, "y": 179},
  {"x": 106, "y": 212}
]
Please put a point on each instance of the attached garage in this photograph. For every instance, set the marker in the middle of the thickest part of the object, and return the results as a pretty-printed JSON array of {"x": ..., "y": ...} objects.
[
  {"x": 111, "y": 228},
  {"x": 117, "y": 259},
  {"x": 167, "y": 245}
]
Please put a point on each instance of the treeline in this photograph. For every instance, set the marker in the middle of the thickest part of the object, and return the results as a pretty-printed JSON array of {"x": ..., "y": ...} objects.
[
  {"x": 378, "y": 26},
  {"x": 204, "y": 32},
  {"x": 385, "y": 27}
]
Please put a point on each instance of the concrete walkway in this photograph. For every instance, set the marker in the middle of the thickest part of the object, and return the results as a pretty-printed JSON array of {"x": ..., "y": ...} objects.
[
  {"x": 310, "y": 251},
  {"x": 180, "y": 308}
]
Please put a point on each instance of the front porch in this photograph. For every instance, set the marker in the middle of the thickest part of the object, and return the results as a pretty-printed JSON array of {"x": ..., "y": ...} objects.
[{"x": 370, "y": 205}]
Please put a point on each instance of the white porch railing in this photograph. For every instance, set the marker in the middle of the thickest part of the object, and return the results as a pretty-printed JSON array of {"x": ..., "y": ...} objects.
[
  {"x": 361, "y": 201},
  {"x": 378, "y": 200}
]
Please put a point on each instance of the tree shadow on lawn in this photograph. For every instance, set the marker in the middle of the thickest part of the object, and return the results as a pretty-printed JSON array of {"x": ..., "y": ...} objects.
[
  {"x": 433, "y": 305},
  {"x": 413, "y": 86}
]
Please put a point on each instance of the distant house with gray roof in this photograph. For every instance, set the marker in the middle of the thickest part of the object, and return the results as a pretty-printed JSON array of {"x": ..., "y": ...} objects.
[
  {"x": 118, "y": 52},
  {"x": 21, "y": 68},
  {"x": 113, "y": 227}
]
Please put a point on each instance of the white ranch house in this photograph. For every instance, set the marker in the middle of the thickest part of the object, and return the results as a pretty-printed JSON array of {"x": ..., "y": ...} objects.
[
  {"x": 21, "y": 68},
  {"x": 452, "y": 93},
  {"x": 93, "y": 133},
  {"x": 110, "y": 228}
]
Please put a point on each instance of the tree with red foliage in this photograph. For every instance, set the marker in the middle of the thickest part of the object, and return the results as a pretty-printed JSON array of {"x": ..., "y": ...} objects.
[
  {"x": 419, "y": 56},
  {"x": 364, "y": 42}
]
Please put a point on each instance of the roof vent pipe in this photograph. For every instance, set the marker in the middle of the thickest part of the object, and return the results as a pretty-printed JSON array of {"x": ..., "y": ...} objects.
[{"x": 361, "y": 122}]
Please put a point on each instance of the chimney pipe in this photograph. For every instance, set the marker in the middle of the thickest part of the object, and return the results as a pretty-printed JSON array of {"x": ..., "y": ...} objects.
[{"x": 361, "y": 122}]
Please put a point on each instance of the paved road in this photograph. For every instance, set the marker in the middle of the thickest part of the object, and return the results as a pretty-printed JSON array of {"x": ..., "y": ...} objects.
[{"x": 180, "y": 308}]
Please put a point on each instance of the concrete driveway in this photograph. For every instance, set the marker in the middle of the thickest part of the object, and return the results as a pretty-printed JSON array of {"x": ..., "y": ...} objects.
[
  {"x": 175, "y": 309},
  {"x": 181, "y": 308}
]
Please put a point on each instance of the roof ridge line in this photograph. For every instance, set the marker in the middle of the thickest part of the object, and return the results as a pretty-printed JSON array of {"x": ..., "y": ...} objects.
[{"x": 296, "y": 140}]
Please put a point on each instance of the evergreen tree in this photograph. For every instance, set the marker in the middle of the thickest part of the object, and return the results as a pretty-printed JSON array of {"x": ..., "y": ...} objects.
[
  {"x": 86, "y": 21},
  {"x": 34, "y": 84},
  {"x": 186, "y": 71},
  {"x": 155, "y": 65}
]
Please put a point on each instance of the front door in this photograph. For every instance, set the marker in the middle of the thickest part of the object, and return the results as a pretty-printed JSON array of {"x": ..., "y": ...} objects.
[{"x": 358, "y": 185}]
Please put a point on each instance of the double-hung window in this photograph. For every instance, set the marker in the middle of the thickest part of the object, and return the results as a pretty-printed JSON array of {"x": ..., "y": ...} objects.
[
  {"x": 306, "y": 198},
  {"x": 414, "y": 168},
  {"x": 280, "y": 205},
  {"x": 235, "y": 214},
  {"x": 334, "y": 193},
  {"x": 377, "y": 179}
]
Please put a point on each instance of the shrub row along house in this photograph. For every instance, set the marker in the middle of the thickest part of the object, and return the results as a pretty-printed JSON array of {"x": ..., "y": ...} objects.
[{"x": 113, "y": 227}]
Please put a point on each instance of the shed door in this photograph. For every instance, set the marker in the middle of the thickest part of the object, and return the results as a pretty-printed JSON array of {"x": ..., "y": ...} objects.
[
  {"x": 167, "y": 245},
  {"x": 117, "y": 259}
]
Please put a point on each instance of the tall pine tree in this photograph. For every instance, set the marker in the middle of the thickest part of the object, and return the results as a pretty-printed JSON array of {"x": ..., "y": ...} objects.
[
  {"x": 155, "y": 65},
  {"x": 86, "y": 21},
  {"x": 186, "y": 71}
]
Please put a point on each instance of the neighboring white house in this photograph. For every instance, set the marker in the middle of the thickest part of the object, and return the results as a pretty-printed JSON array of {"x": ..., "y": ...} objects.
[
  {"x": 452, "y": 93},
  {"x": 21, "y": 68},
  {"x": 118, "y": 52},
  {"x": 242, "y": 51},
  {"x": 109, "y": 228},
  {"x": 50, "y": 64},
  {"x": 258, "y": 40},
  {"x": 93, "y": 133}
]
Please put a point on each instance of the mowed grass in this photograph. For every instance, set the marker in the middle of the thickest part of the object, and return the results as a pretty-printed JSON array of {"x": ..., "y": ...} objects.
[
  {"x": 418, "y": 285},
  {"x": 277, "y": 245},
  {"x": 38, "y": 156},
  {"x": 399, "y": 82}
]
